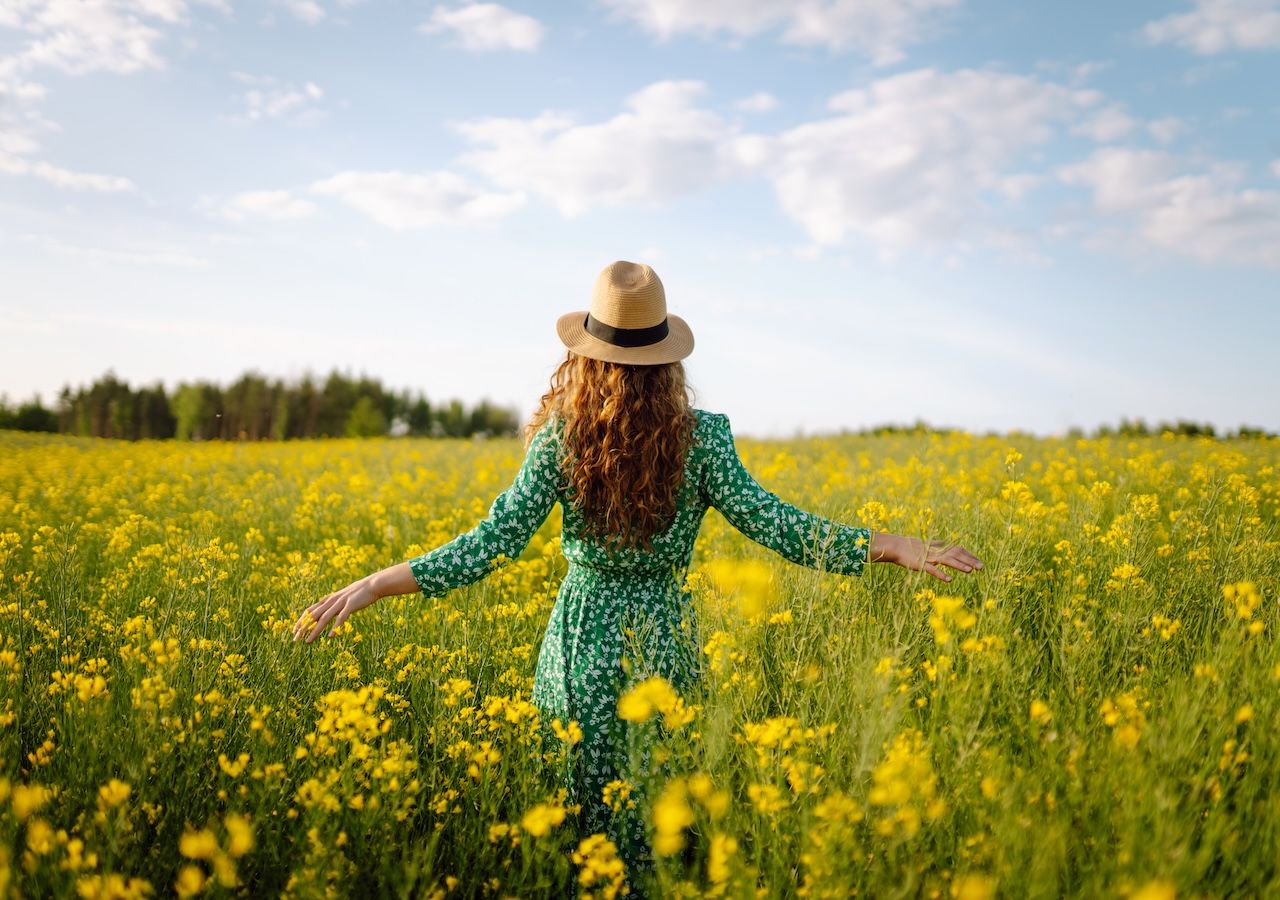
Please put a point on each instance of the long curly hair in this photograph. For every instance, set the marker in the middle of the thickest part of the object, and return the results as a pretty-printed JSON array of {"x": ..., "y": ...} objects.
[{"x": 626, "y": 430}]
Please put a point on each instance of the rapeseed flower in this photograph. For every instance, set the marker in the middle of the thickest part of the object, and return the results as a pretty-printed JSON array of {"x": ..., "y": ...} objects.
[
  {"x": 655, "y": 695},
  {"x": 671, "y": 815},
  {"x": 543, "y": 817}
]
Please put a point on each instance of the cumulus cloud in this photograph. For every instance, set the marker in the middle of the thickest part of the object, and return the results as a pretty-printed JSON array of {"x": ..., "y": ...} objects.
[
  {"x": 269, "y": 98},
  {"x": 662, "y": 146},
  {"x": 82, "y": 36},
  {"x": 1215, "y": 26},
  {"x": 278, "y": 205},
  {"x": 924, "y": 158},
  {"x": 307, "y": 11},
  {"x": 1162, "y": 202},
  {"x": 1166, "y": 130},
  {"x": 1109, "y": 124},
  {"x": 402, "y": 201},
  {"x": 486, "y": 26},
  {"x": 877, "y": 28},
  {"x": 12, "y": 164},
  {"x": 761, "y": 102},
  {"x": 915, "y": 158},
  {"x": 77, "y": 37}
]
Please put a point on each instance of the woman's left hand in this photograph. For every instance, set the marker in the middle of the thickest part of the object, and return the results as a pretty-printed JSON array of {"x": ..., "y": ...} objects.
[{"x": 337, "y": 607}]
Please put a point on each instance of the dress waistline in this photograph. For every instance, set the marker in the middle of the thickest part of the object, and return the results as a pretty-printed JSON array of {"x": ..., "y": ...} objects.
[{"x": 618, "y": 573}]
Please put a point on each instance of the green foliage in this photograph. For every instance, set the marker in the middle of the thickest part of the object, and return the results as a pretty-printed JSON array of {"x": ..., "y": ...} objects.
[
  {"x": 254, "y": 407},
  {"x": 365, "y": 419}
]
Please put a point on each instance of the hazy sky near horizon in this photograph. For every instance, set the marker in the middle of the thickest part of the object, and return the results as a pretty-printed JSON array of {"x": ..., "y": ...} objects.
[{"x": 992, "y": 215}]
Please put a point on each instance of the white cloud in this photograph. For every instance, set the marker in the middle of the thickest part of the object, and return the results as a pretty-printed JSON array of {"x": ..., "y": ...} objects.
[
  {"x": 270, "y": 99},
  {"x": 1275, "y": 168},
  {"x": 662, "y": 146},
  {"x": 401, "y": 201},
  {"x": 11, "y": 164},
  {"x": 277, "y": 205},
  {"x": 877, "y": 28},
  {"x": 77, "y": 37},
  {"x": 307, "y": 11},
  {"x": 761, "y": 102},
  {"x": 919, "y": 159},
  {"x": 20, "y": 119},
  {"x": 915, "y": 158},
  {"x": 1166, "y": 130},
  {"x": 1214, "y": 26},
  {"x": 1108, "y": 124},
  {"x": 486, "y": 26},
  {"x": 82, "y": 36},
  {"x": 1086, "y": 70},
  {"x": 1205, "y": 215}
]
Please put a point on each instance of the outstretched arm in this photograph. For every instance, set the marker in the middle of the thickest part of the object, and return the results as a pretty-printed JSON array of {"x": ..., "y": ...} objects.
[
  {"x": 513, "y": 518},
  {"x": 807, "y": 538},
  {"x": 802, "y": 537}
]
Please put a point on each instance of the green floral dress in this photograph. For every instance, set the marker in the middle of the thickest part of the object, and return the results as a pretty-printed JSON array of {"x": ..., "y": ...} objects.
[{"x": 579, "y": 673}]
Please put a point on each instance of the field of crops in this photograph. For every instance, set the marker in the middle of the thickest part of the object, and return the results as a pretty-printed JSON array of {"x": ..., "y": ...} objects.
[{"x": 1096, "y": 713}]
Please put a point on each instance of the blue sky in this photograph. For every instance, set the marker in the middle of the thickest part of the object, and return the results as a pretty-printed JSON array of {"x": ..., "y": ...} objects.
[{"x": 991, "y": 215}]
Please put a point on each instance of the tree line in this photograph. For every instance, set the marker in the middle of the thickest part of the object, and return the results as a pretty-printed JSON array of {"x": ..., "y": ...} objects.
[
  {"x": 1126, "y": 428},
  {"x": 254, "y": 407}
]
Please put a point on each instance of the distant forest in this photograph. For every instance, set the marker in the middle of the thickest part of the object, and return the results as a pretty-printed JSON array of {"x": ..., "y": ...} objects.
[
  {"x": 254, "y": 407},
  {"x": 1127, "y": 428}
]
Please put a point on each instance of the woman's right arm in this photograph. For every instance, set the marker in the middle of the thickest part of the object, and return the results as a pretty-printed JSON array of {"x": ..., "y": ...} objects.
[
  {"x": 803, "y": 537},
  {"x": 913, "y": 553}
]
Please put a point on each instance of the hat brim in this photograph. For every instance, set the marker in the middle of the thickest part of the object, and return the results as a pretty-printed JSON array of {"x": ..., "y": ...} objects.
[{"x": 675, "y": 346}]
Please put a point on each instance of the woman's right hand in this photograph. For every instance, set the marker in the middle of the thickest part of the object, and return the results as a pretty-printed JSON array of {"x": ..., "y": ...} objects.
[{"x": 917, "y": 555}]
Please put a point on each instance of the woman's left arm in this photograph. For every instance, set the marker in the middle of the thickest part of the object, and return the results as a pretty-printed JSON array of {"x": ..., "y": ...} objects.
[{"x": 513, "y": 518}]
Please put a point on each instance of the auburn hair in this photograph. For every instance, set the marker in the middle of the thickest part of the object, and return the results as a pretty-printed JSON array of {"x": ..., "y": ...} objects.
[{"x": 626, "y": 430}]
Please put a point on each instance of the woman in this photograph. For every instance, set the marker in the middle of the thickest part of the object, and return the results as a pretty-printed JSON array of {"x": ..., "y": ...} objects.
[{"x": 635, "y": 468}]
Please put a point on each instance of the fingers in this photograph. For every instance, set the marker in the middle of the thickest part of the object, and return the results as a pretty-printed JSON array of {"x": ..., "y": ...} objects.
[
  {"x": 308, "y": 617},
  {"x": 317, "y": 613},
  {"x": 954, "y": 556},
  {"x": 324, "y": 619},
  {"x": 342, "y": 616},
  {"x": 936, "y": 572},
  {"x": 967, "y": 557}
]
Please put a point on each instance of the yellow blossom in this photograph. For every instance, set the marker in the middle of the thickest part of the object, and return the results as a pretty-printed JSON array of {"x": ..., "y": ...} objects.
[
  {"x": 540, "y": 819},
  {"x": 973, "y": 886},
  {"x": 190, "y": 881},
  {"x": 202, "y": 844},
  {"x": 671, "y": 816}
]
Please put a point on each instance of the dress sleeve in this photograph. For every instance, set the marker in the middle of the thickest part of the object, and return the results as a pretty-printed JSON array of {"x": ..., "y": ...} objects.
[
  {"x": 513, "y": 518},
  {"x": 802, "y": 537}
]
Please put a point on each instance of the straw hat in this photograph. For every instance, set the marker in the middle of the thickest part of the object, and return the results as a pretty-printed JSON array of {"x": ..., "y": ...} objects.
[{"x": 628, "y": 321}]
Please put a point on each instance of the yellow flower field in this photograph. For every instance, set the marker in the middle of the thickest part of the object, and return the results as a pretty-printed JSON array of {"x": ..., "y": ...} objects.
[{"x": 1094, "y": 714}]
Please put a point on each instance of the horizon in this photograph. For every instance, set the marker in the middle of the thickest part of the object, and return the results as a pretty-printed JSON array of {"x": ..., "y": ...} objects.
[
  {"x": 1147, "y": 428},
  {"x": 968, "y": 212}
]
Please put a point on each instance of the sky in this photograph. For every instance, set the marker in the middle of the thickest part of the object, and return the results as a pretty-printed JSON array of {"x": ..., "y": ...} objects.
[{"x": 986, "y": 215}]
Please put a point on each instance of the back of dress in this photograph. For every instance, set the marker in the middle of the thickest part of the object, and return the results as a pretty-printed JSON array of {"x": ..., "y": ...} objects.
[
  {"x": 714, "y": 477},
  {"x": 628, "y": 602}
]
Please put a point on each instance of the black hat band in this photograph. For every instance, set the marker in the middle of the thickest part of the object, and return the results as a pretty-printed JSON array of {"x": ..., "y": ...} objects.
[{"x": 626, "y": 337}]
